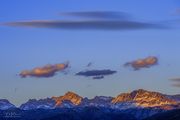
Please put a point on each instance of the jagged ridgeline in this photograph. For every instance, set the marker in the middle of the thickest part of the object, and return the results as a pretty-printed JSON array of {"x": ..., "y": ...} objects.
[{"x": 138, "y": 104}]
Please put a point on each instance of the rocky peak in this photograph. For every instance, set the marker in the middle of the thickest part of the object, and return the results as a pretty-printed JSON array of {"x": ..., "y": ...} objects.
[
  {"x": 47, "y": 103},
  {"x": 144, "y": 98},
  {"x": 69, "y": 96}
]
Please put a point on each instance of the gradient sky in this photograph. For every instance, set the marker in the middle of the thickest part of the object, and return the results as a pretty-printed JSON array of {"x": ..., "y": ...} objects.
[{"x": 26, "y": 48}]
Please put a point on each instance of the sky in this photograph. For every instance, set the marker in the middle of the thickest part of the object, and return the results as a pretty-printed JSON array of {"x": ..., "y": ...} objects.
[{"x": 71, "y": 38}]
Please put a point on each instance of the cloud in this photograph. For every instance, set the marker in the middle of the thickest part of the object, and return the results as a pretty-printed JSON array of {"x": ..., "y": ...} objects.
[
  {"x": 87, "y": 24},
  {"x": 96, "y": 73},
  {"x": 176, "y": 82},
  {"x": 176, "y": 85},
  {"x": 142, "y": 63},
  {"x": 45, "y": 71},
  {"x": 98, "y": 14},
  {"x": 98, "y": 77},
  {"x": 175, "y": 79},
  {"x": 177, "y": 12},
  {"x": 97, "y": 20}
]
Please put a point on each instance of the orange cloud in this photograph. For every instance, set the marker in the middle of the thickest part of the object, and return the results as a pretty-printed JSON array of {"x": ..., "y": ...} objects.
[
  {"x": 46, "y": 71},
  {"x": 142, "y": 63}
]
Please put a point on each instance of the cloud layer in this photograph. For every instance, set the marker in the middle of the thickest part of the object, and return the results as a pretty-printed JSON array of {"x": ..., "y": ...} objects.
[
  {"x": 96, "y": 74},
  {"x": 142, "y": 63},
  {"x": 46, "y": 71}
]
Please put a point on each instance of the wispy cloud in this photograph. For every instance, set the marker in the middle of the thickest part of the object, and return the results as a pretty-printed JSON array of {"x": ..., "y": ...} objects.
[
  {"x": 45, "y": 71},
  {"x": 176, "y": 85},
  {"x": 177, "y": 11},
  {"x": 96, "y": 74},
  {"x": 96, "y": 21},
  {"x": 142, "y": 63},
  {"x": 175, "y": 79},
  {"x": 176, "y": 82}
]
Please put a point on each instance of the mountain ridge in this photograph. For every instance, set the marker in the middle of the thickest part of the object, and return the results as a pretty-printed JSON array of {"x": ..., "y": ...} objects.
[
  {"x": 144, "y": 98},
  {"x": 137, "y": 98},
  {"x": 5, "y": 104}
]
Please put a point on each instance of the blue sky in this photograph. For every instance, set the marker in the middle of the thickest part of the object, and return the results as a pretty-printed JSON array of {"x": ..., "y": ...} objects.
[{"x": 28, "y": 47}]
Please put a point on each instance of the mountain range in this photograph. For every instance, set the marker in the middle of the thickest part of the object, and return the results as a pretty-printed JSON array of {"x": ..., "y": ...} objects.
[
  {"x": 137, "y": 98},
  {"x": 140, "y": 104}
]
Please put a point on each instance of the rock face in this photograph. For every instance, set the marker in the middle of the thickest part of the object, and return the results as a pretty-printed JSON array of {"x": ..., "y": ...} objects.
[
  {"x": 174, "y": 97},
  {"x": 98, "y": 101},
  {"x": 69, "y": 96},
  {"x": 144, "y": 98},
  {"x": 5, "y": 104}
]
